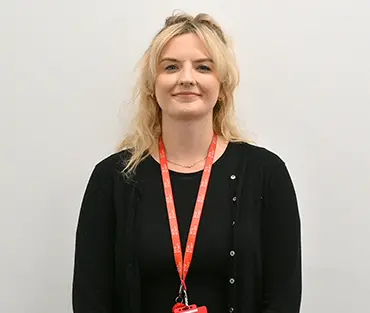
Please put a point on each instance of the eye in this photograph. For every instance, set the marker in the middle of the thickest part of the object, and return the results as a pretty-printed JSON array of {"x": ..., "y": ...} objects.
[
  {"x": 171, "y": 67},
  {"x": 204, "y": 68}
]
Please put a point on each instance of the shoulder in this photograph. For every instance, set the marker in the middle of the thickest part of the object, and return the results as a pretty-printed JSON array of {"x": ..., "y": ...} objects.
[
  {"x": 108, "y": 170},
  {"x": 257, "y": 156},
  {"x": 112, "y": 166},
  {"x": 259, "y": 164},
  {"x": 112, "y": 163}
]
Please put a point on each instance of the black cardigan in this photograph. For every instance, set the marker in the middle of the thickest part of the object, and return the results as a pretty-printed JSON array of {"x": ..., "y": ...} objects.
[{"x": 106, "y": 274}]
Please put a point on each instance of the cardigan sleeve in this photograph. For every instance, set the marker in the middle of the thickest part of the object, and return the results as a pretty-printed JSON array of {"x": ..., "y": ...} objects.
[
  {"x": 281, "y": 243},
  {"x": 93, "y": 277}
]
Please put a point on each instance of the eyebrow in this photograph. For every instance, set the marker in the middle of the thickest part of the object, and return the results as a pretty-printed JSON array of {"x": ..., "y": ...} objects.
[{"x": 196, "y": 61}]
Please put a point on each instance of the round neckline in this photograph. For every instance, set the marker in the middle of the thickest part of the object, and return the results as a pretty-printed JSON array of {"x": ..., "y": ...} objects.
[{"x": 196, "y": 173}]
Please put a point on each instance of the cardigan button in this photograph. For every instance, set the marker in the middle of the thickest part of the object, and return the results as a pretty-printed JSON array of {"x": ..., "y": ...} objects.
[
  {"x": 231, "y": 309},
  {"x": 234, "y": 199},
  {"x": 232, "y": 253},
  {"x": 231, "y": 281},
  {"x": 233, "y": 223},
  {"x": 232, "y": 177}
]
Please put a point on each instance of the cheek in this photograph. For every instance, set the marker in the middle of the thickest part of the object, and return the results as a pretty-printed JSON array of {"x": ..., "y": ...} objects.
[
  {"x": 162, "y": 89},
  {"x": 212, "y": 89},
  {"x": 164, "y": 84}
]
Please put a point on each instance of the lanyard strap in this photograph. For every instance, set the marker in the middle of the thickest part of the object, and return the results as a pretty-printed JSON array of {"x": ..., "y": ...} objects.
[{"x": 184, "y": 264}]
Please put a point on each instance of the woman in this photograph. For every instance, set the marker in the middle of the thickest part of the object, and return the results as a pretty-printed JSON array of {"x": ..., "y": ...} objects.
[{"x": 187, "y": 212}]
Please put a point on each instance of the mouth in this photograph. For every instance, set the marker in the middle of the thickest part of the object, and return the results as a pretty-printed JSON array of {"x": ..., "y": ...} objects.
[{"x": 186, "y": 94}]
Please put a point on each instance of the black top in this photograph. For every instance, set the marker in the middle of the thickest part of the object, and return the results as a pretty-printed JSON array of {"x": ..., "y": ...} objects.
[
  {"x": 248, "y": 252},
  {"x": 207, "y": 280}
]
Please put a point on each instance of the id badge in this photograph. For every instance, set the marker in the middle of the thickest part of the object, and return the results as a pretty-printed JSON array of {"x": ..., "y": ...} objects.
[{"x": 189, "y": 309}]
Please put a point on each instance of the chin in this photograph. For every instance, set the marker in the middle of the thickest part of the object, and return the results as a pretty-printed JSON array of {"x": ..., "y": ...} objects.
[
  {"x": 195, "y": 110},
  {"x": 188, "y": 115}
]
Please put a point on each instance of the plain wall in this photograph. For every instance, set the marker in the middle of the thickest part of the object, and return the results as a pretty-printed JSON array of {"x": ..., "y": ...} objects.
[{"x": 67, "y": 74}]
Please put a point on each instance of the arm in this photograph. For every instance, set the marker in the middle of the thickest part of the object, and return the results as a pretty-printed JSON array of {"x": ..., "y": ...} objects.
[
  {"x": 93, "y": 278},
  {"x": 281, "y": 244}
]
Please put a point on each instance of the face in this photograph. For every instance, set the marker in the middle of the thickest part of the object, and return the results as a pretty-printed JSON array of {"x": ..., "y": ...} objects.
[{"x": 187, "y": 86}]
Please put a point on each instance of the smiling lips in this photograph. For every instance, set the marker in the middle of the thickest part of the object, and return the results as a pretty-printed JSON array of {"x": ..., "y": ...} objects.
[{"x": 187, "y": 94}]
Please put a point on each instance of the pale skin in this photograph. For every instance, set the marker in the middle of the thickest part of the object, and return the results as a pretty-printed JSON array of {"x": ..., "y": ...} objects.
[{"x": 187, "y": 88}]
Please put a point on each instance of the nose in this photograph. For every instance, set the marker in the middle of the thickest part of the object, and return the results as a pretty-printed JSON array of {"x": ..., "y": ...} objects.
[{"x": 186, "y": 76}]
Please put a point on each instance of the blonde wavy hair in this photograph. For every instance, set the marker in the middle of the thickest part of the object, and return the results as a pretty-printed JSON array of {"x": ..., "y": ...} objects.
[{"x": 146, "y": 125}]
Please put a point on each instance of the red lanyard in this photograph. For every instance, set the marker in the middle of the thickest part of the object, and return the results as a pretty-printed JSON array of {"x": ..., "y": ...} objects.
[{"x": 184, "y": 264}]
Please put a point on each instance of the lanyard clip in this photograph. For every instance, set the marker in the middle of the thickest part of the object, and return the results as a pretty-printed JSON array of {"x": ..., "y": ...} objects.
[{"x": 183, "y": 295}]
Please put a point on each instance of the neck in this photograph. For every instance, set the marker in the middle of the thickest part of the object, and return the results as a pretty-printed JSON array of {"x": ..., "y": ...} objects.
[{"x": 187, "y": 141}]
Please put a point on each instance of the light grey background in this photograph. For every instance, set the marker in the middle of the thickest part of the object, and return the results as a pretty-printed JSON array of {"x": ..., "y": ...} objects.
[{"x": 67, "y": 72}]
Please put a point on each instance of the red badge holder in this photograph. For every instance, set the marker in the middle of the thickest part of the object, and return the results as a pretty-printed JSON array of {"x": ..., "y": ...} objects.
[{"x": 182, "y": 308}]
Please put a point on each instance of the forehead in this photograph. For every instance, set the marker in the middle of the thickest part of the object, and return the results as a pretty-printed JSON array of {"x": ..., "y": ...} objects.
[{"x": 186, "y": 46}]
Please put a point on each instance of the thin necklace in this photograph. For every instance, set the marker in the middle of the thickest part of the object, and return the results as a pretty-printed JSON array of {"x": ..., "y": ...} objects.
[{"x": 188, "y": 165}]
